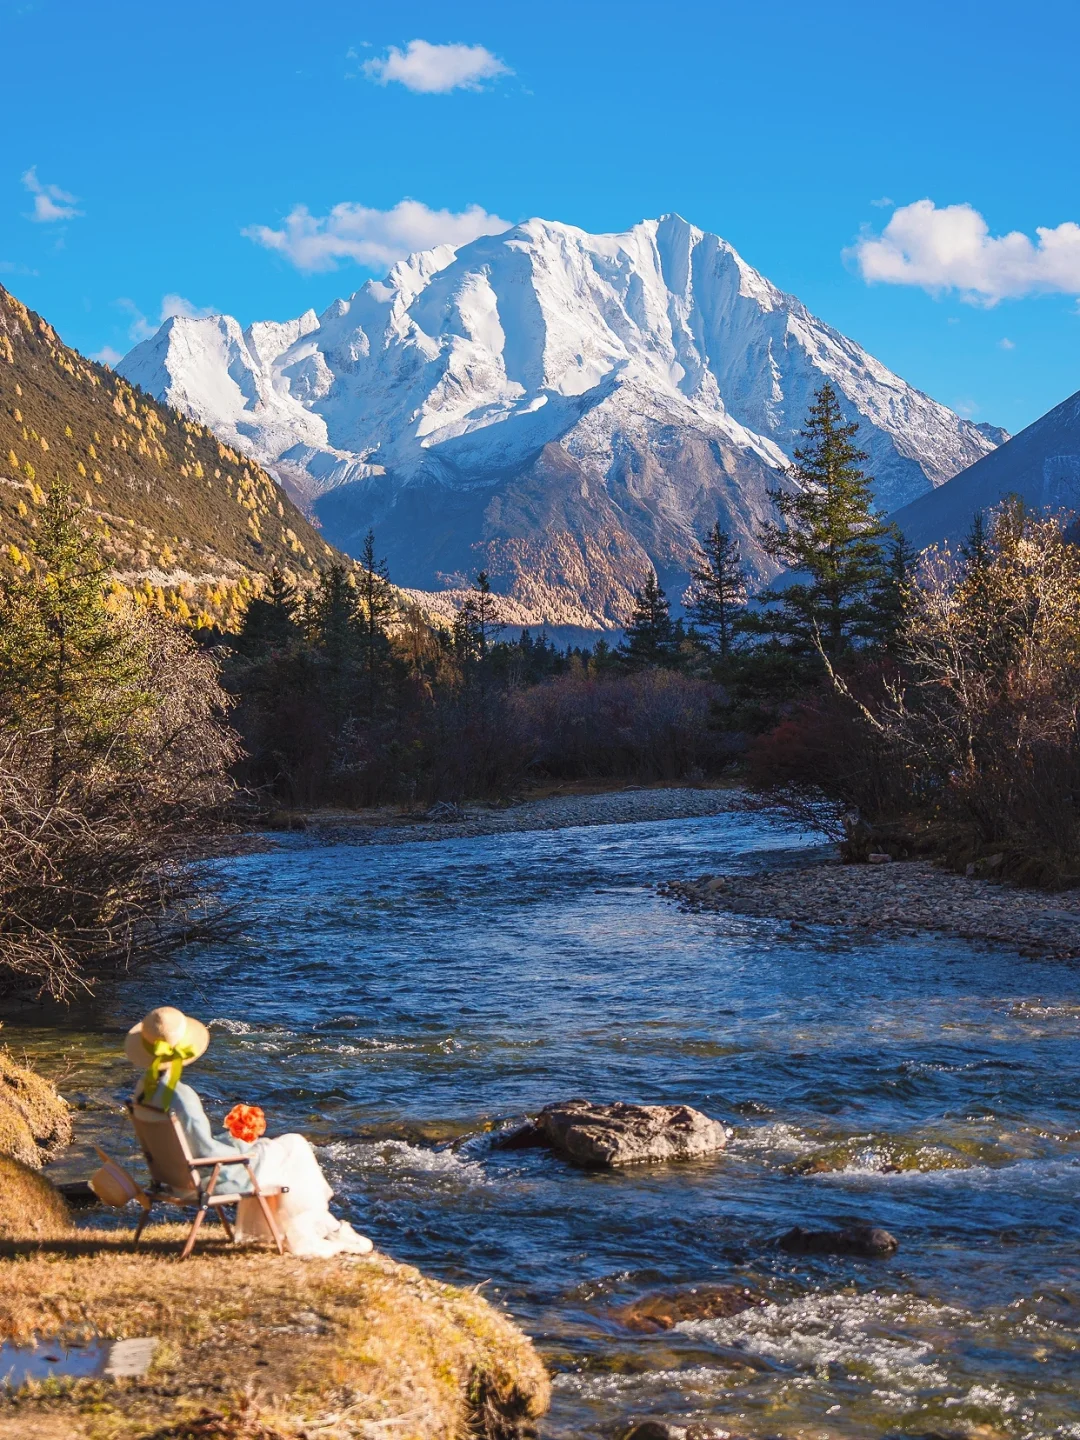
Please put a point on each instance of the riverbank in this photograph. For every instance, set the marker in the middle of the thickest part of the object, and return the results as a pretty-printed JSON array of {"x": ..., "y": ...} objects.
[
  {"x": 904, "y": 897},
  {"x": 560, "y": 810},
  {"x": 253, "y": 1346}
]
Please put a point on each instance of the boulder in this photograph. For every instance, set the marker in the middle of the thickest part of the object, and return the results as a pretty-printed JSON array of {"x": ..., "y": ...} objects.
[
  {"x": 35, "y": 1122},
  {"x": 621, "y": 1134},
  {"x": 866, "y": 1240},
  {"x": 663, "y": 1310}
]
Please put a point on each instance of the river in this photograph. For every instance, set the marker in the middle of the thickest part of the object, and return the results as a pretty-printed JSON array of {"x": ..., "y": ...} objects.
[{"x": 398, "y": 1002}]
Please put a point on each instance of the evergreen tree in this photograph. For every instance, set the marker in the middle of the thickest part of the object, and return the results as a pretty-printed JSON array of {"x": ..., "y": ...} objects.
[
  {"x": 891, "y": 594},
  {"x": 830, "y": 535},
  {"x": 270, "y": 620},
  {"x": 377, "y": 608},
  {"x": 721, "y": 588},
  {"x": 649, "y": 638},
  {"x": 70, "y": 676},
  {"x": 332, "y": 615}
]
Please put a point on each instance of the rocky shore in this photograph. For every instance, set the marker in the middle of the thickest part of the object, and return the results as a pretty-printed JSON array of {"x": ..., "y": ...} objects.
[
  {"x": 552, "y": 812},
  {"x": 906, "y": 897}
]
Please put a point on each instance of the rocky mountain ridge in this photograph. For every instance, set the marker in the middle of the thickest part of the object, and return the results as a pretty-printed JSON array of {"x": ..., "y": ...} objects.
[{"x": 562, "y": 409}]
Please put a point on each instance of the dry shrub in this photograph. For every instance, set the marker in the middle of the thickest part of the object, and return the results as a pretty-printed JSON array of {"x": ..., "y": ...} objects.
[
  {"x": 651, "y": 725},
  {"x": 972, "y": 746},
  {"x": 95, "y": 864}
]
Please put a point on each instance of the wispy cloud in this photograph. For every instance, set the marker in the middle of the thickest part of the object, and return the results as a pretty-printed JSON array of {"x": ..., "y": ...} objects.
[
  {"x": 952, "y": 249},
  {"x": 883, "y": 204},
  {"x": 50, "y": 202},
  {"x": 1006, "y": 344},
  {"x": 141, "y": 328},
  {"x": 374, "y": 238},
  {"x": 436, "y": 69},
  {"x": 107, "y": 356}
]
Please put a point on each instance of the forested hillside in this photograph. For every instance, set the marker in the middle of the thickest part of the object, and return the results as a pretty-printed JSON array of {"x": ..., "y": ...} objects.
[{"x": 187, "y": 524}]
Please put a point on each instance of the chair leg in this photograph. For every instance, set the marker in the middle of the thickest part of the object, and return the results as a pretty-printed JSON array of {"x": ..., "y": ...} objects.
[
  {"x": 268, "y": 1216},
  {"x": 199, "y": 1218},
  {"x": 141, "y": 1226},
  {"x": 229, "y": 1231}
]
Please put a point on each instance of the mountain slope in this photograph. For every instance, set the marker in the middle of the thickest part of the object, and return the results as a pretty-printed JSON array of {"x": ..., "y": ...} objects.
[
  {"x": 1041, "y": 464},
  {"x": 180, "y": 514},
  {"x": 565, "y": 409}
]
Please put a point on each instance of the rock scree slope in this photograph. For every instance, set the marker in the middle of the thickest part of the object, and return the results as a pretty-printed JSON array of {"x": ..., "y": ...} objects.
[{"x": 560, "y": 408}]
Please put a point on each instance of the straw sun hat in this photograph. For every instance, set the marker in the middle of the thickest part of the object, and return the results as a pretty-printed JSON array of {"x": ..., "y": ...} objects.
[
  {"x": 168, "y": 1029},
  {"x": 114, "y": 1186}
]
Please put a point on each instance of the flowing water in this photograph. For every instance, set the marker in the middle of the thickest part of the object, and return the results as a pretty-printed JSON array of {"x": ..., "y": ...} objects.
[{"x": 401, "y": 1003}]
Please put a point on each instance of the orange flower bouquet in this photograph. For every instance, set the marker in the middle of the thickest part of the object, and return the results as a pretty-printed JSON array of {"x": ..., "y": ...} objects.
[{"x": 246, "y": 1122}]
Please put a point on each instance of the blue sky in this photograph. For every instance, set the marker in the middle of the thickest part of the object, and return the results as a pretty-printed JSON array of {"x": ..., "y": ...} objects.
[{"x": 151, "y": 155}]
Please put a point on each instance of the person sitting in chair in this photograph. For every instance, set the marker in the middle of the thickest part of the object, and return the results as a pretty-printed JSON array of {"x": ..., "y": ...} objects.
[{"x": 161, "y": 1045}]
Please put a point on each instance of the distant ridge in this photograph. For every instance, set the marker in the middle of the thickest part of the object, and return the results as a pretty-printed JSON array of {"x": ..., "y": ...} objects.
[
  {"x": 184, "y": 519},
  {"x": 562, "y": 409},
  {"x": 1041, "y": 464}
]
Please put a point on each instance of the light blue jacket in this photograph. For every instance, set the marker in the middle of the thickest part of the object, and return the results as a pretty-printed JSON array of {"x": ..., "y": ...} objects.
[{"x": 188, "y": 1109}]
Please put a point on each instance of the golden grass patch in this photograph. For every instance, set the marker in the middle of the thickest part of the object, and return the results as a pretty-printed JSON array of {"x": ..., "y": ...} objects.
[{"x": 253, "y": 1346}]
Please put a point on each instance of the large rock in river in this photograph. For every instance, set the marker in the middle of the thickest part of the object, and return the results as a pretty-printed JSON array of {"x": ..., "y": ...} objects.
[{"x": 621, "y": 1134}]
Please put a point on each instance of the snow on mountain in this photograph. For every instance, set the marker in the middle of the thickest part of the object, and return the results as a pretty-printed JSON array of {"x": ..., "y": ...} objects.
[{"x": 562, "y": 408}]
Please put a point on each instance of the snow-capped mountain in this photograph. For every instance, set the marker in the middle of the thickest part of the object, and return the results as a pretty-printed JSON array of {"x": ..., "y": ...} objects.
[{"x": 561, "y": 408}]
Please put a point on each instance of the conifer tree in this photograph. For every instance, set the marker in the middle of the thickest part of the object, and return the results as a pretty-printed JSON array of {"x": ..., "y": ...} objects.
[
  {"x": 270, "y": 620},
  {"x": 649, "y": 638},
  {"x": 830, "y": 536},
  {"x": 721, "y": 588},
  {"x": 69, "y": 675},
  {"x": 332, "y": 614},
  {"x": 891, "y": 594},
  {"x": 377, "y": 608}
]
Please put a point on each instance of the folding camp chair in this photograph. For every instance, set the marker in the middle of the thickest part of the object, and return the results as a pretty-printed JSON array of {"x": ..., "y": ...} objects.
[{"x": 180, "y": 1179}]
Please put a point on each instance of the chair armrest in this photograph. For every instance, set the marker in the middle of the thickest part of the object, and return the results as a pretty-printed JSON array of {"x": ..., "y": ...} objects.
[{"x": 221, "y": 1160}]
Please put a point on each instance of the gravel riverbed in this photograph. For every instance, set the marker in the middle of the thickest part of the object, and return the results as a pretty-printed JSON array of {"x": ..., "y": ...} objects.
[
  {"x": 553, "y": 812},
  {"x": 907, "y": 897}
]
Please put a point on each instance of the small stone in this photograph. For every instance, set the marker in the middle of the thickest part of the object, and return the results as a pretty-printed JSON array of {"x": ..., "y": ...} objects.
[
  {"x": 879, "y": 858},
  {"x": 865, "y": 1240}
]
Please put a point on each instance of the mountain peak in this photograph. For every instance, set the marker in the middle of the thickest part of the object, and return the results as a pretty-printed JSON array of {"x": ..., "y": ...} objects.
[{"x": 513, "y": 401}]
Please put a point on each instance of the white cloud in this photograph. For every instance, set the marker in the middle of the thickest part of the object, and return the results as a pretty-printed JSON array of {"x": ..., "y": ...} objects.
[
  {"x": 952, "y": 249},
  {"x": 176, "y": 305},
  {"x": 374, "y": 238},
  {"x": 883, "y": 204},
  {"x": 50, "y": 202},
  {"x": 1006, "y": 344},
  {"x": 436, "y": 69},
  {"x": 107, "y": 356},
  {"x": 141, "y": 328}
]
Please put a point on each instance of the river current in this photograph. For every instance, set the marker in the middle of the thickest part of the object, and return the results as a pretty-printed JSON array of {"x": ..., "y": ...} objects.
[{"x": 402, "y": 1003}]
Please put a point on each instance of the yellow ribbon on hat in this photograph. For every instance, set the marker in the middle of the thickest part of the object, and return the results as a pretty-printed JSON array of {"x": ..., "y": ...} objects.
[{"x": 164, "y": 1071}]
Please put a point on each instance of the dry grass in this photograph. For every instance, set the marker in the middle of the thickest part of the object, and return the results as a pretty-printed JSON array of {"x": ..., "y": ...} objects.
[
  {"x": 28, "y": 1203},
  {"x": 35, "y": 1123},
  {"x": 262, "y": 1347}
]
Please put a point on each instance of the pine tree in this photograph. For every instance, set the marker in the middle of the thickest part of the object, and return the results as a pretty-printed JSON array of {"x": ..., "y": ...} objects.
[
  {"x": 270, "y": 620},
  {"x": 70, "y": 676},
  {"x": 649, "y": 638},
  {"x": 721, "y": 588},
  {"x": 891, "y": 593},
  {"x": 829, "y": 534},
  {"x": 332, "y": 615},
  {"x": 377, "y": 609}
]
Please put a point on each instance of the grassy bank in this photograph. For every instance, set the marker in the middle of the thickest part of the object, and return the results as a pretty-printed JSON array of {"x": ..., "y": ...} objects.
[{"x": 257, "y": 1346}]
